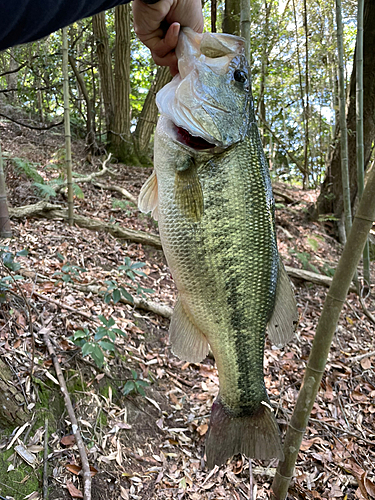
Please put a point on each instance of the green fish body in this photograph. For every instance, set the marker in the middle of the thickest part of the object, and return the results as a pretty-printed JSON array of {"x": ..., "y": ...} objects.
[{"x": 213, "y": 199}]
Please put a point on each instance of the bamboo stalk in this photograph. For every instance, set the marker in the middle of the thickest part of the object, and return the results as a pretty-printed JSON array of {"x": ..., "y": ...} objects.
[
  {"x": 359, "y": 127},
  {"x": 335, "y": 299},
  {"x": 245, "y": 28},
  {"x": 68, "y": 148},
  {"x": 342, "y": 117}
]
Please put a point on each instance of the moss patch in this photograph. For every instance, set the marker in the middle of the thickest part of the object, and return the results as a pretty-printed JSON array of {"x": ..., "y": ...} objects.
[{"x": 19, "y": 482}]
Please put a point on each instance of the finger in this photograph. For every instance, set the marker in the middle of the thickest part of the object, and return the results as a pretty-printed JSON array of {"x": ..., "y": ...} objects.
[
  {"x": 168, "y": 43},
  {"x": 167, "y": 60}
]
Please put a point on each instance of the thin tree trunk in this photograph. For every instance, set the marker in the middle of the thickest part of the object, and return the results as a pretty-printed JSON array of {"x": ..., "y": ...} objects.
[
  {"x": 213, "y": 15},
  {"x": 326, "y": 328},
  {"x": 68, "y": 149},
  {"x": 105, "y": 69},
  {"x": 148, "y": 117},
  {"x": 5, "y": 230},
  {"x": 342, "y": 117},
  {"x": 359, "y": 127},
  {"x": 307, "y": 107},
  {"x": 90, "y": 118},
  {"x": 300, "y": 79},
  {"x": 245, "y": 28},
  {"x": 231, "y": 19},
  {"x": 121, "y": 143}
]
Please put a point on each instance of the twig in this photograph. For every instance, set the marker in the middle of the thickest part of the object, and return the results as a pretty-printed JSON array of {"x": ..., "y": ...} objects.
[
  {"x": 118, "y": 189},
  {"x": 81, "y": 447},
  {"x": 251, "y": 480},
  {"x": 45, "y": 462},
  {"x": 357, "y": 436},
  {"x": 87, "y": 178},
  {"x": 365, "y": 310},
  {"x": 65, "y": 306},
  {"x": 362, "y": 356}
]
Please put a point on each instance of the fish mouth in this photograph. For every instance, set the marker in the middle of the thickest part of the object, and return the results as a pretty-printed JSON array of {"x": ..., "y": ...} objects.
[{"x": 185, "y": 138}]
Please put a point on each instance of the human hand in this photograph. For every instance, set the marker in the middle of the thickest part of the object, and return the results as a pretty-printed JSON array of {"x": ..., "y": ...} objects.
[{"x": 158, "y": 25}]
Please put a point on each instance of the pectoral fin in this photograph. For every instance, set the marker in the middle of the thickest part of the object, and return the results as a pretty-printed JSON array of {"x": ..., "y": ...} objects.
[
  {"x": 148, "y": 197},
  {"x": 188, "y": 191},
  {"x": 284, "y": 319},
  {"x": 188, "y": 343}
]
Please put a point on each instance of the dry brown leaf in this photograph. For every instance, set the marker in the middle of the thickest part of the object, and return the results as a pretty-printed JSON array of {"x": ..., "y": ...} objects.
[
  {"x": 68, "y": 440},
  {"x": 202, "y": 429},
  {"x": 369, "y": 485},
  {"x": 366, "y": 363},
  {"x": 74, "y": 492},
  {"x": 74, "y": 469}
]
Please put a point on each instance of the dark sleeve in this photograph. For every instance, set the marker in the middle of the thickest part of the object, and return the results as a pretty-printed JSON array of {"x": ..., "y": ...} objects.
[{"x": 24, "y": 21}]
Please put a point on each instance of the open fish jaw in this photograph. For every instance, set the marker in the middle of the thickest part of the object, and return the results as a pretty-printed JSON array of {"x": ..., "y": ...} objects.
[{"x": 204, "y": 98}]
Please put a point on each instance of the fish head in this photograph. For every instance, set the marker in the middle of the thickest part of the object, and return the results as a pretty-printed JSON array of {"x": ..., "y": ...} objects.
[{"x": 209, "y": 103}]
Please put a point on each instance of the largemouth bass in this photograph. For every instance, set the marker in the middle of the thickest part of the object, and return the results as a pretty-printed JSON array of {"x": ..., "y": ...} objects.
[{"x": 211, "y": 193}]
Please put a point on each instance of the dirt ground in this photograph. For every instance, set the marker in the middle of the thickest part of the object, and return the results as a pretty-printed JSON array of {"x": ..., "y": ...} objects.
[{"x": 151, "y": 445}]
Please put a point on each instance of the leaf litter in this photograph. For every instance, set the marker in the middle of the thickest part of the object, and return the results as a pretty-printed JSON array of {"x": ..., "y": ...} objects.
[{"x": 152, "y": 445}]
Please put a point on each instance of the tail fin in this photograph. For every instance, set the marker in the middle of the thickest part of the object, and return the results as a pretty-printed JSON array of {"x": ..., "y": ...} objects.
[{"x": 256, "y": 436}]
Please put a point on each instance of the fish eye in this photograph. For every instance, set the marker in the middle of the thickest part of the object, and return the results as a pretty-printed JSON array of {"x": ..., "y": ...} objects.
[{"x": 240, "y": 76}]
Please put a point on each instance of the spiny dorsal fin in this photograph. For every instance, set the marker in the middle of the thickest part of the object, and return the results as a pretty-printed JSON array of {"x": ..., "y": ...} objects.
[
  {"x": 188, "y": 343},
  {"x": 284, "y": 319},
  {"x": 148, "y": 197}
]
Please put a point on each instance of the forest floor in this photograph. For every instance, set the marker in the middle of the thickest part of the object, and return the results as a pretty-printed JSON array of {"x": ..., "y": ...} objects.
[{"x": 152, "y": 445}]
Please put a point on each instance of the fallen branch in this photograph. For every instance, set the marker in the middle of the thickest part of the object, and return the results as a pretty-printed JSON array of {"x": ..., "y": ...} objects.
[
  {"x": 139, "y": 303},
  {"x": 318, "y": 279},
  {"x": 118, "y": 189},
  {"x": 87, "y": 178},
  {"x": 286, "y": 197},
  {"x": 49, "y": 211},
  {"x": 80, "y": 445}
]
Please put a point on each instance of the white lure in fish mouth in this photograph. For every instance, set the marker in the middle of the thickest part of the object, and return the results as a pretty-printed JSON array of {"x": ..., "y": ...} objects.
[{"x": 209, "y": 101}]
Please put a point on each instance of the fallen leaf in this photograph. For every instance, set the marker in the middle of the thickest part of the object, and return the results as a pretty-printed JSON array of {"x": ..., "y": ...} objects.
[
  {"x": 369, "y": 485},
  {"x": 68, "y": 440},
  {"x": 366, "y": 363},
  {"x": 75, "y": 493}
]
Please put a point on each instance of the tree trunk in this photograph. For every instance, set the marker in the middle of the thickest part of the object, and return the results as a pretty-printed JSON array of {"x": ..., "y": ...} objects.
[
  {"x": 90, "y": 139},
  {"x": 121, "y": 142},
  {"x": 105, "y": 69},
  {"x": 231, "y": 19},
  {"x": 330, "y": 200},
  {"x": 148, "y": 117},
  {"x": 5, "y": 230}
]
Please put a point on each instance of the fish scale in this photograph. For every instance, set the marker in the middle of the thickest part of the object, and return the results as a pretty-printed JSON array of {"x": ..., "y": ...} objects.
[{"x": 213, "y": 198}]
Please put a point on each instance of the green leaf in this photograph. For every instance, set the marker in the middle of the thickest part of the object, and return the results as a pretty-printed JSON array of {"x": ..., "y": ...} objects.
[
  {"x": 135, "y": 374},
  {"x": 119, "y": 332},
  {"x": 78, "y": 191},
  {"x": 128, "y": 387},
  {"x": 141, "y": 390},
  {"x": 127, "y": 295},
  {"x": 98, "y": 356},
  {"x": 116, "y": 295},
  {"x": 103, "y": 319},
  {"x": 23, "y": 253},
  {"x": 80, "y": 334},
  {"x": 111, "y": 322},
  {"x": 100, "y": 333},
  {"x": 45, "y": 189},
  {"x": 107, "y": 345},
  {"x": 88, "y": 348}
]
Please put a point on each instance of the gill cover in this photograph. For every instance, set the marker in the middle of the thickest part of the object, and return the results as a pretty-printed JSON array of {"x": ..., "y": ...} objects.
[{"x": 211, "y": 95}]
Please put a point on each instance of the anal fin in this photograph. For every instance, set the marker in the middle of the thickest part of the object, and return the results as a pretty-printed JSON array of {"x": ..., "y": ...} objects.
[
  {"x": 284, "y": 319},
  {"x": 148, "y": 197},
  {"x": 188, "y": 342}
]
